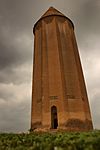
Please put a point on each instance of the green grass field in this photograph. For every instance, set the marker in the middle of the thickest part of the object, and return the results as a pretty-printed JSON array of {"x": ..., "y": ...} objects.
[{"x": 51, "y": 141}]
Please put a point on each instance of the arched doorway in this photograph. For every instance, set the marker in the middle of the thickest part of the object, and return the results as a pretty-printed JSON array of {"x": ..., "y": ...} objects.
[{"x": 54, "y": 118}]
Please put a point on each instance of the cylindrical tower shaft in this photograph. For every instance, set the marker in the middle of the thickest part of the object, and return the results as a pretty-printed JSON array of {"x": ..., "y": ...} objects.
[{"x": 59, "y": 97}]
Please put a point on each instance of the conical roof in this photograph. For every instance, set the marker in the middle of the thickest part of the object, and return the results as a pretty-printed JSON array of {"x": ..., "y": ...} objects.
[{"x": 52, "y": 12}]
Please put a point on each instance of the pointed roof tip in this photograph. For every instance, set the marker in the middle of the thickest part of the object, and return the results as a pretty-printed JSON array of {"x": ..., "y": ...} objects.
[
  {"x": 52, "y": 11},
  {"x": 51, "y": 7}
]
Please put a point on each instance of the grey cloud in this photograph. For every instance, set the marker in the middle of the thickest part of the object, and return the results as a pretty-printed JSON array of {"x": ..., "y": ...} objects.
[
  {"x": 14, "y": 49},
  {"x": 11, "y": 59},
  {"x": 95, "y": 105},
  {"x": 14, "y": 13},
  {"x": 87, "y": 20},
  {"x": 15, "y": 117},
  {"x": 16, "y": 76},
  {"x": 15, "y": 107}
]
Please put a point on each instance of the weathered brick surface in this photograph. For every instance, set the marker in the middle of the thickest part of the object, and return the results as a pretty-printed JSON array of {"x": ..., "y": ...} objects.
[{"x": 57, "y": 75}]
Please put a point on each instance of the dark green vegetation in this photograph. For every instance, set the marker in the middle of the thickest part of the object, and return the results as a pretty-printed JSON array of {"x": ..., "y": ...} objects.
[{"x": 51, "y": 141}]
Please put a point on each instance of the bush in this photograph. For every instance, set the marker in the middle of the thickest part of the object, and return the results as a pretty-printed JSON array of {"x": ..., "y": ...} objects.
[{"x": 51, "y": 141}]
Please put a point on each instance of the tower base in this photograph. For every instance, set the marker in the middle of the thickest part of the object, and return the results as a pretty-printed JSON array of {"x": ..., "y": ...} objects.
[{"x": 70, "y": 125}]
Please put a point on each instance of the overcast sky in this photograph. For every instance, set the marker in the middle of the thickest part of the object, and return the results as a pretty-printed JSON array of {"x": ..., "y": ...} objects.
[{"x": 17, "y": 18}]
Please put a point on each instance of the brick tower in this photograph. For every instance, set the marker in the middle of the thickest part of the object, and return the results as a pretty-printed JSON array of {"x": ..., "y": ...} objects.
[{"x": 59, "y": 96}]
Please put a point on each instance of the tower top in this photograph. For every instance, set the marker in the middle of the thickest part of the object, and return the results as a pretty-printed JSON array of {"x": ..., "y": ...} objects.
[{"x": 52, "y": 12}]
